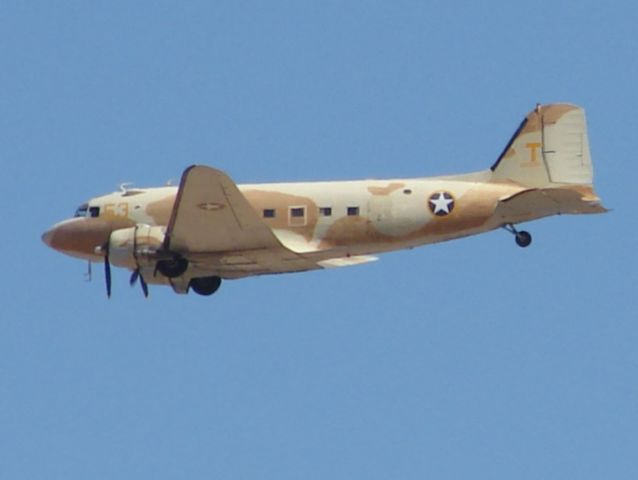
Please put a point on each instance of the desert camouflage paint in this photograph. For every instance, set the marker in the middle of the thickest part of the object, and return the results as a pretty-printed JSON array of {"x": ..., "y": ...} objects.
[{"x": 229, "y": 231}]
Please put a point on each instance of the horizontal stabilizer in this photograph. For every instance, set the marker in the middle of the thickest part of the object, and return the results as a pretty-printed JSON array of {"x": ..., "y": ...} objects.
[{"x": 543, "y": 202}]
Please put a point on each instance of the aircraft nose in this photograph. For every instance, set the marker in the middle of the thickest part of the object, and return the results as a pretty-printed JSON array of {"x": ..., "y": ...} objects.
[
  {"x": 78, "y": 237},
  {"x": 52, "y": 236},
  {"x": 47, "y": 237}
]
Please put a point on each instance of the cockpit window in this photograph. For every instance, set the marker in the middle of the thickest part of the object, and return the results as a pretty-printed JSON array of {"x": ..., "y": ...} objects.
[
  {"x": 94, "y": 212},
  {"x": 82, "y": 210}
]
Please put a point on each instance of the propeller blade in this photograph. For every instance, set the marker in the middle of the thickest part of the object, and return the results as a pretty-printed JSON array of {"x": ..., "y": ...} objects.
[
  {"x": 107, "y": 275},
  {"x": 144, "y": 286},
  {"x": 137, "y": 275}
]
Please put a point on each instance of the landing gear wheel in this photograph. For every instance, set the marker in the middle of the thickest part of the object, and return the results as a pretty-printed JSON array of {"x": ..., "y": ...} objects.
[
  {"x": 172, "y": 268},
  {"x": 523, "y": 239},
  {"x": 205, "y": 285}
]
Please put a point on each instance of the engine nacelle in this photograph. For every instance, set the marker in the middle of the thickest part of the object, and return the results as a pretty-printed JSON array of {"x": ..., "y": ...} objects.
[{"x": 136, "y": 246}]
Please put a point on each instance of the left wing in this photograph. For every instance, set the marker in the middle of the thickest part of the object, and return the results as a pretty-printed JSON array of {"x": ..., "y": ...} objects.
[
  {"x": 216, "y": 229},
  {"x": 211, "y": 215}
]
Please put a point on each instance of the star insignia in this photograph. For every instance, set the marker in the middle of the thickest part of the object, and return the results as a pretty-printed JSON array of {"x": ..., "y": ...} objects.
[{"x": 441, "y": 203}]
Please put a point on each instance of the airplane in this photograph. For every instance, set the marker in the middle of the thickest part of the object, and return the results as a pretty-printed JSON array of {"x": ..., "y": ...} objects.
[{"x": 209, "y": 229}]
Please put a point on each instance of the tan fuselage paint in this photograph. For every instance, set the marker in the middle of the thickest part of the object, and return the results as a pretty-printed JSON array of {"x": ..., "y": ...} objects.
[{"x": 393, "y": 214}]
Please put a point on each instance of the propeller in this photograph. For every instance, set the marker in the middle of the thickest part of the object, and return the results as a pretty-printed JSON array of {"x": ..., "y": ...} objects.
[
  {"x": 107, "y": 273},
  {"x": 138, "y": 275},
  {"x": 107, "y": 265},
  {"x": 135, "y": 276}
]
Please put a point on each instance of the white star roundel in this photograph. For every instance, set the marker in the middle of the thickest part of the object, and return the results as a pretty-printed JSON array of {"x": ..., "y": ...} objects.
[{"x": 441, "y": 203}]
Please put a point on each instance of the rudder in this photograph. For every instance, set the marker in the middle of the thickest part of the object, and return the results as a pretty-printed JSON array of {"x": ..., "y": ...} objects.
[{"x": 550, "y": 147}]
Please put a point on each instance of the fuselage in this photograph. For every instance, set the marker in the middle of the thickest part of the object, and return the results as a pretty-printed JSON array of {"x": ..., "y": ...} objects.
[{"x": 316, "y": 219}]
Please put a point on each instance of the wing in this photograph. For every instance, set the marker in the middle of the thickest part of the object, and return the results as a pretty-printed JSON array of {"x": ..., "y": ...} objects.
[
  {"x": 214, "y": 226},
  {"x": 211, "y": 215}
]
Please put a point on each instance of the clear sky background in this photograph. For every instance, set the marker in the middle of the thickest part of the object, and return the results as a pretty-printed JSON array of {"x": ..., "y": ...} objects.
[{"x": 470, "y": 359}]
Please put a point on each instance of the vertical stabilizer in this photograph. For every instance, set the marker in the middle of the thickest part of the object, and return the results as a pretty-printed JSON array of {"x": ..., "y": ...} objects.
[{"x": 550, "y": 147}]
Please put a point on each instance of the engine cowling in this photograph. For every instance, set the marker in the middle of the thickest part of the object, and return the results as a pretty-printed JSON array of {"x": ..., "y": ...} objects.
[{"x": 136, "y": 246}]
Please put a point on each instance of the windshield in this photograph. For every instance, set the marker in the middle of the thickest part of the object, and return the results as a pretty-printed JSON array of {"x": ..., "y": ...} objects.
[{"x": 82, "y": 209}]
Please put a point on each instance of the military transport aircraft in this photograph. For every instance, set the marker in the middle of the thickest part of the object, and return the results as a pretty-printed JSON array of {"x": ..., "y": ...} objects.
[{"x": 208, "y": 229}]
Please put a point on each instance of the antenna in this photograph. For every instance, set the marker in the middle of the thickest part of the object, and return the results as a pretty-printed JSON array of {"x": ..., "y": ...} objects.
[
  {"x": 129, "y": 192},
  {"x": 124, "y": 187},
  {"x": 88, "y": 276}
]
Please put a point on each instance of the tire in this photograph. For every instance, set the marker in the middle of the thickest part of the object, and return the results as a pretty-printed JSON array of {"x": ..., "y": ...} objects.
[
  {"x": 523, "y": 239},
  {"x": 206, "y": 285},
  {"x": 172, "y": 268}
]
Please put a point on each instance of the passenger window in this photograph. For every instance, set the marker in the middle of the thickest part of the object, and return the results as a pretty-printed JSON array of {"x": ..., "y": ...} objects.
[
  {"x": 325, "y": 211},
  {"x": 269, "y": 213},
  {"x": 353, "y": 211},
  {"x": 297, "y": 216}
]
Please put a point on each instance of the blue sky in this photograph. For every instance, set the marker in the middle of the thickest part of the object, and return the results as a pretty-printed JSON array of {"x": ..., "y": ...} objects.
[{"x": 467, "y": 359}]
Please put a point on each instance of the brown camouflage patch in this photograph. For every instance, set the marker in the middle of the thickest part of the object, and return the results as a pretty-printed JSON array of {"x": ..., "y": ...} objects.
[
  {"x": 262, "y": 200},
  {"x": 350, "y": 231},
  {"x": 160, "y": 211},
  {"x": 83, "y": 235}
]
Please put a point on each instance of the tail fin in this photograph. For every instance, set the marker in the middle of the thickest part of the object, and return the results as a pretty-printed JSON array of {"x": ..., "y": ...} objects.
[{"x": 550, "y": 147}]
